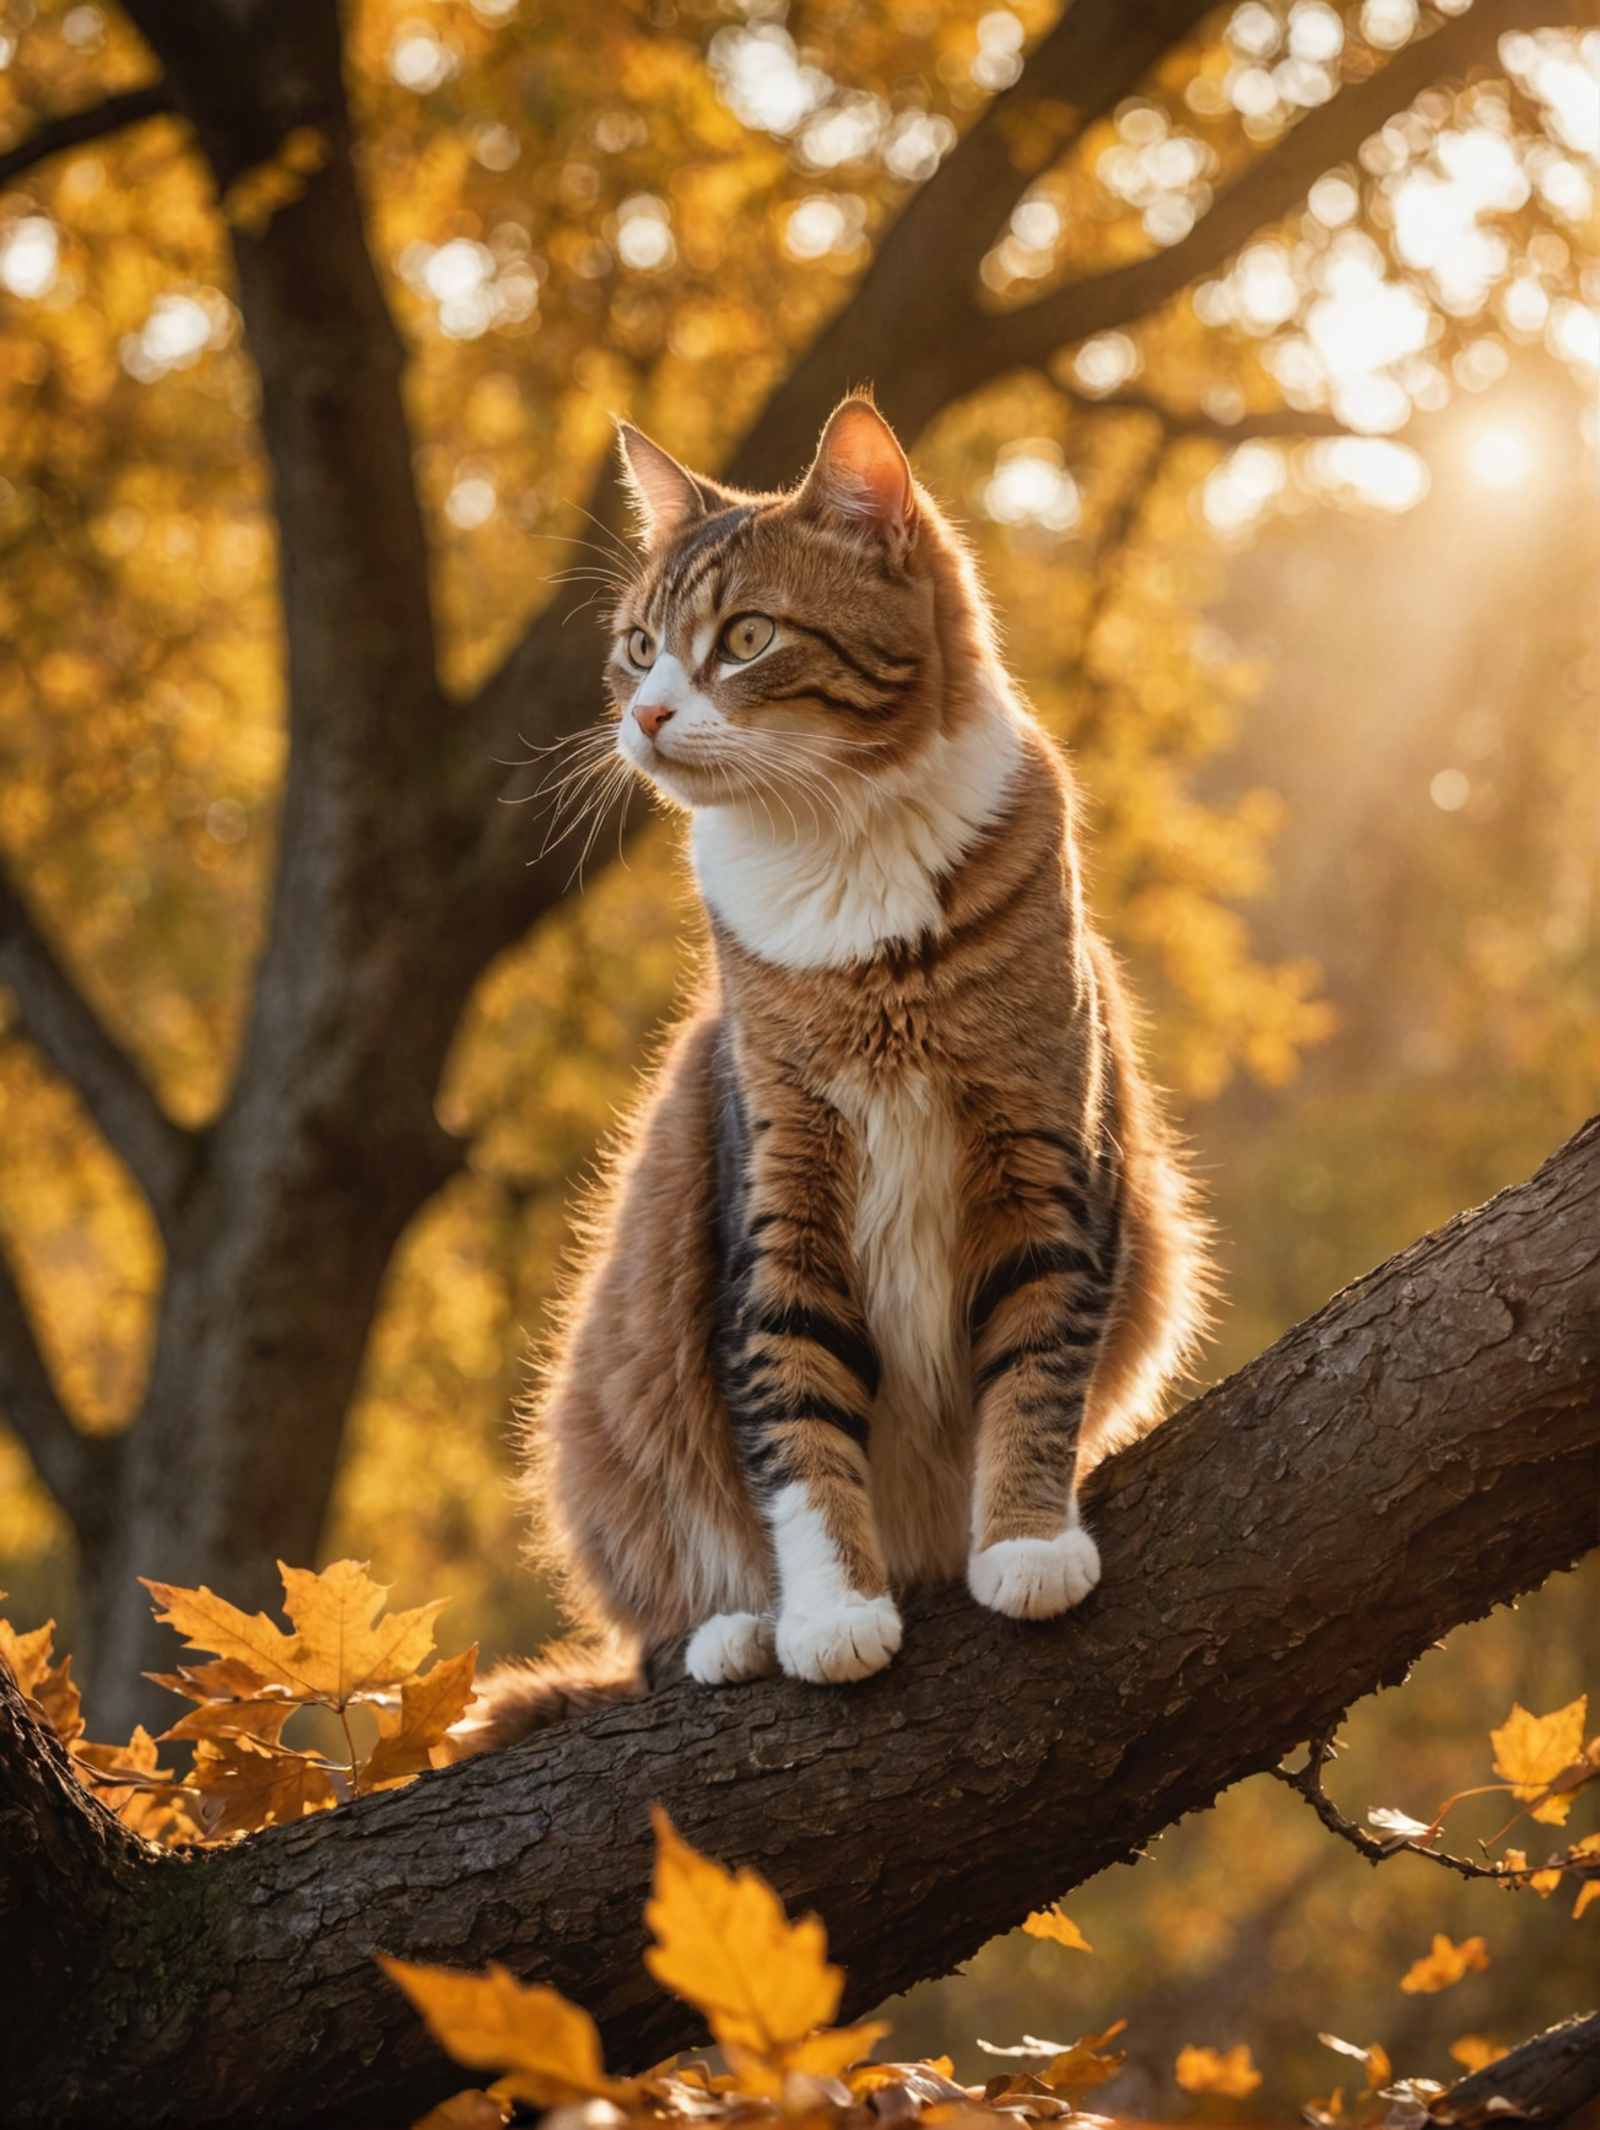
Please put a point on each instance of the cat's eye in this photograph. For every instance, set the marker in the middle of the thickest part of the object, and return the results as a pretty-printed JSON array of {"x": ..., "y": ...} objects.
[
  {"x": 746, "y": 637},
  {"x": 641, "y": 647}
]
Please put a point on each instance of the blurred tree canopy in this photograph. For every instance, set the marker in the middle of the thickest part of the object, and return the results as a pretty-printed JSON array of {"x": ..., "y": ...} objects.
[{"x": 312, "y": 327}]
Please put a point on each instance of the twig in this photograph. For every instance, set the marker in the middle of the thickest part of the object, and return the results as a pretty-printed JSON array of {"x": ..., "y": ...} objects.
[
  {"x": 1307, "y": 1781},
  {"x": 75, "y": 127}
]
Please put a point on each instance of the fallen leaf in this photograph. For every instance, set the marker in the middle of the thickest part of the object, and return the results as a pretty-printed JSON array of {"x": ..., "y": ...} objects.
[
  {"x": 724, "y": 1945},
  {"x": 1058, "y": 1927},
  {"x": 1445, "y": 1964},
  {"x": 1476, "y": 2052},
  {"x": 1207, "y": 2071},
  {"x": 341, "y": 1645},
  {"x": 547, "y": 2050},
  {"x": 1532, "y": 1751},
  {"x": 1375, "y": 2059},
  {"x": 428, "y": 1707}
]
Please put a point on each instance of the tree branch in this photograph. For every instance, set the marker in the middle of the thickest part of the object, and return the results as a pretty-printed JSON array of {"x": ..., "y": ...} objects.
[
  {"x": 1424, "y": 1448},
  {"x": 55, "y": 1015},
  {"x": 1280, "y": 421},
  {"x": 1266, "y": 192},
  {"x": 73, "y": 128}
]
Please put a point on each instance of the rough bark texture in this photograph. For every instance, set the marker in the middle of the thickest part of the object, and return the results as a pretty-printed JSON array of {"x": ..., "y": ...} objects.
[
  {"x": 1424, "y": 1448},
  {"x": 399, "y": 878}
]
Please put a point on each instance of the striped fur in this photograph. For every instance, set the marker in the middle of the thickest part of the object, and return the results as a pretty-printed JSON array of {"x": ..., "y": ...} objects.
[{"x": 897, "y": 1243}]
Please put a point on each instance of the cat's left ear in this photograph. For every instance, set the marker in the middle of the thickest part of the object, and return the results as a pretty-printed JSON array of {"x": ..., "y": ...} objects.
[
  {"x": 861, "y": 475},
  {"x": 666, "y": 496}
]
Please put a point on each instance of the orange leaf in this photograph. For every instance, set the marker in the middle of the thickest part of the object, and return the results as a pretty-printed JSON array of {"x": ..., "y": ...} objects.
[
  {"x": 341, "y": 1645},
  {"x": 724, "y": 1944},
  {"x": 1206, "y": 2071},
  {"x": 471, "y": 2110},
  {"x": 1532, "y": 1751},
  {"x": 244, "y": 1783},
  {"x": 1058, "y": 1927},
  {"x": 1088, "y": 2062},
  {"x": 547, "y": 2049},
  {"x": 1587, "y": 1895},
  {"x": 1445, "y": 1964},
  {"x": 1476, "y": 2052},
  {"x": 428, "y": 1707}
]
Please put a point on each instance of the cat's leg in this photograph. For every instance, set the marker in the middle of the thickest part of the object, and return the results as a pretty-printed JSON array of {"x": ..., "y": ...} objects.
[
  {"x": 732, "y": 1647},
  {"x": 1041, "y": 1302},
  {"x": 801, "y": 1376}
]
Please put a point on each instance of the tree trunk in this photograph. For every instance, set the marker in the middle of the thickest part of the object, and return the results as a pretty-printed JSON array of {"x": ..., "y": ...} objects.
[{"x": 1424, "y": 1448}]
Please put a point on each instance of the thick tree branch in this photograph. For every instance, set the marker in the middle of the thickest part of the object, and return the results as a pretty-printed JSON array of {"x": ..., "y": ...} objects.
[
  {"x": 1282, "y": 421},
  {"x": 1424, "y": 1448},
  {"x": 55, "y": 1015},
  {"x": 79, "y": 1469},
  {"x": 73, "y": 128},
  {"x": 1268, "y": 190}
]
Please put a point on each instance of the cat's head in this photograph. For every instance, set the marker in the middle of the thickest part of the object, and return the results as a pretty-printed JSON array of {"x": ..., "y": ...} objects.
[{"x": 772, "y": 644}]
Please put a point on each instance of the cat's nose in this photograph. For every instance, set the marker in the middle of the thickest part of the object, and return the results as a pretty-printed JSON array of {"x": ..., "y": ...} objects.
[{"x": 651, "y": 717}]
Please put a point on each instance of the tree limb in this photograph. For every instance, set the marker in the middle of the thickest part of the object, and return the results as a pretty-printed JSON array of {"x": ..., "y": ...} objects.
[
  {"x": 1424, "y": 1448},
  {"x": 1268, "y": 190},
  {"x": 74, "y": 128},
  {"x": 55, "y": 1015},
  {"x": 1545, "y": 2081},
  {"x": 79, "y": 1469},
  {"x": 1278, "y": 421}
]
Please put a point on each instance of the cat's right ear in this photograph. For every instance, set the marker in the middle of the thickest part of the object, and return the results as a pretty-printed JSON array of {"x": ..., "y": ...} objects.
[{"x": 665, "y": 495}]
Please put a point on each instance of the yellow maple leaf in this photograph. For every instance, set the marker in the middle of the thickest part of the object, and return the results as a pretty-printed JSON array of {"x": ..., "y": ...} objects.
[
  {"x": 725, "y": 1946},
  {"x": 245, "y": 1783},
  {"x": 150, "y": 1800},
  {"x": 763, "y": 2074},
  {"x": 1530, "y": 1752},
  {"x": 1209, "y": 2071},
  {"x": 341, "y": 1645},
  {"x": 1476, "y": 2052},
  {"x": 546, "y": 2050},
  {"x": 428, "y": 1707},
  {"x": 48, "y": 1686},
  {"x": 1058, "y": 1927},
  {"x": 27, "y": 1655},
  {"x": 1445, "y": 1964},
  {"x": 1586, "y": 1895},
  {"x": 1087, "y": 2063}
]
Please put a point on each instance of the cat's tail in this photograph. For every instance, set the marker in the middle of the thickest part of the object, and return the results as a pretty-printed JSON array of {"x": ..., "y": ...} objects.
[{"x": 531, "y": 1693}]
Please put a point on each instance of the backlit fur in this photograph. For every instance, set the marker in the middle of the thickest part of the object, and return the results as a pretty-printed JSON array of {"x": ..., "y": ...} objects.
[{"x": 897, "y": 1242}]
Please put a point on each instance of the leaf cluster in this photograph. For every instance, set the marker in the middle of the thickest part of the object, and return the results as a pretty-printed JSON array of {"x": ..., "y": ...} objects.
[{"x": 344, "y": 1652}]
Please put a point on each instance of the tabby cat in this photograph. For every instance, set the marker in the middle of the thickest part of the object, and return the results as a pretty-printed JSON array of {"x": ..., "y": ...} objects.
[{"x": 897, "y": 1240}]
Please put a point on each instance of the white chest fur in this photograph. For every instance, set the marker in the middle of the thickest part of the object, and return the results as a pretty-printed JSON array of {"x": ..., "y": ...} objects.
[{"x": 822, "y": 879}]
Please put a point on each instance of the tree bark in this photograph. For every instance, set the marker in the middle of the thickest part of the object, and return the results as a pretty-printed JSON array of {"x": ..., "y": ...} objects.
[{"x": 1424, "y": 1448}]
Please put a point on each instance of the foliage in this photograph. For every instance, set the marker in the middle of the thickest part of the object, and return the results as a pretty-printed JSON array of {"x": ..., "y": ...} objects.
[{"x": 346, "y": 1656}]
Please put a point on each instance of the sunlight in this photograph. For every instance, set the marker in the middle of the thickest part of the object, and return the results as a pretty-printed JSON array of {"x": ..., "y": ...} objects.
[{"x": 1499, "y": 458}]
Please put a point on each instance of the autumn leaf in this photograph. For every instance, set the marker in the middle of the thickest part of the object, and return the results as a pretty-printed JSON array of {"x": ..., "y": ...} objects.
[
  {"x": 1375, "y": 2060},
  {"x": 1088, "y": 2062},
  {"x": 1206, "y": 2071},
  {"x": 48, "y": 1686},
  {"x": 1531, "y": 1752},
  {"x": 471, "y": 2110},
  {"x": 1399, "y": 1826},
  {"x": 725, "y": 1946},
  {"x": 546, "y": 2050},
  {"x": 1058, "y": 1927},
  {"x": 1477, "y": 2053},
  {"x": 341, "y": 1646},
  {"x": 1445, "y": 1964},
  {"x": 428, "y": 1707},
  {"x": 1544, "y": 1883},
  {"x": 130, "y": 1781},
  {"x": 243, "y": 1784},
  {"x": 1587, "y": 1895}
]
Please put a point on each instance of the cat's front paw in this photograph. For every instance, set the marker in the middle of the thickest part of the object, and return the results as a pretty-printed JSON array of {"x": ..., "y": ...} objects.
[
  {"x": 731, "y": 1647},
  {"x": 1035, "y": 1578},
  {"x": 848, "y": 1640}
]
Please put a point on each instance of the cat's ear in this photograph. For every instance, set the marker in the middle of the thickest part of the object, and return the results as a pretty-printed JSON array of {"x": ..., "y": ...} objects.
[
  {"x": 666, "y": 495},
  {"x": 861, "y": 475}
]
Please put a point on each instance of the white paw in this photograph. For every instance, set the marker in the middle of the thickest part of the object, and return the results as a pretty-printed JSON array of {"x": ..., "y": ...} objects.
[
  {"x": 848, "y": 1640},
  {"x": 730, "y": 1647},
  {"x": 1035, "y": 1578}
]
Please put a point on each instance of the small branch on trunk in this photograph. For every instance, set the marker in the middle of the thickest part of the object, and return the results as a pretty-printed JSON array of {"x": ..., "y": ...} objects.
[
  {"x": 55, "y": 1015},
  {"x": 79, "y": 1469},
  {"x": 1281, "y": 421},
  {"x": 74, "y": 128},
  {"x": 1306, "y": 1782}
]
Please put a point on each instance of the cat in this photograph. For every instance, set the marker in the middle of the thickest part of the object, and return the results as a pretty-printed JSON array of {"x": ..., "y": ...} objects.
[{"x": 898, "y": 1240}]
